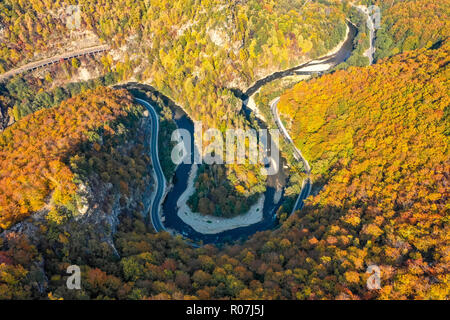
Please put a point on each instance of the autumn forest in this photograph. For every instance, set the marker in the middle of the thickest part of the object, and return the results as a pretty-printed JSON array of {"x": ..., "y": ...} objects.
[{"x": 363, "y": 111}]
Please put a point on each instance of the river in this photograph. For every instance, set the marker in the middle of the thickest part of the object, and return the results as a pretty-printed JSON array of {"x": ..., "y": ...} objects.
[{"x": 180, "y": 180}]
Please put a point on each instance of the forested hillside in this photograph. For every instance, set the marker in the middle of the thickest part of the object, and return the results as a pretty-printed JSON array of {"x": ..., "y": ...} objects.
[
  {"x": 23, "y": 95},
  {"x": 411, "y": 24},
  {"x": 195, "y": 52},
  {"x": 47, "y": 155}
]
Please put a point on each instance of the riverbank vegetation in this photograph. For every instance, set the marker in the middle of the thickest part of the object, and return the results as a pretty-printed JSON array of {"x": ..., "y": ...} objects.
[{"x": 361, "y": 42}]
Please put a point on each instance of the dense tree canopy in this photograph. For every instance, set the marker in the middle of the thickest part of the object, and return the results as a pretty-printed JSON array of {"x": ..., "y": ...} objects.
[{"x": 376, "y": 138}]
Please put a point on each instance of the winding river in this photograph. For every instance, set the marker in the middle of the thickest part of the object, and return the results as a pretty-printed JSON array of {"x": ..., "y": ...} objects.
[{"x": 170, "y": 218}]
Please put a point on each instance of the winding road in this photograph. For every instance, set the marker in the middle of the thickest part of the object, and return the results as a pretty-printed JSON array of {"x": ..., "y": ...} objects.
[{"x": 160, "y": 179}]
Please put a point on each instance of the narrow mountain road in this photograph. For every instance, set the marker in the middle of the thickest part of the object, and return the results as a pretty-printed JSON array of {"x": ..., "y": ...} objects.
[
  {"x": 306, "y": 187},
  {"x": 161, "y": 180},
  {"x": 55, "y": 59}
]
